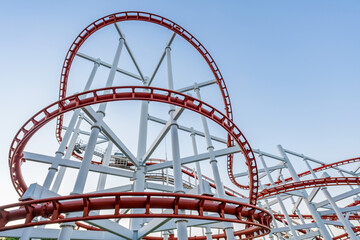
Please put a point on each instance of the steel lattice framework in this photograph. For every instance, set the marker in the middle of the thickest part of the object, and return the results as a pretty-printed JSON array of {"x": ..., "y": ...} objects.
[{"x": 187, "y": 199}]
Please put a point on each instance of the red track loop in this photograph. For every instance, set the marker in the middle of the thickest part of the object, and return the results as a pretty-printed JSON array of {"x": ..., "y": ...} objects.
[
  {"x": 151, "y": 202},
  {"x": 323, "y": 167},
  {"x": 119, "y": 94},
  {"x": 152, "y": 18},
  {"x": 320, "y": 182}
]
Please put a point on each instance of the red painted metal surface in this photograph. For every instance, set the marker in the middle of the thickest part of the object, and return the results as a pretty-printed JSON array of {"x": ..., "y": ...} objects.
[
  {"x": 51, "y": 209},
  {"x": 320, "y": 182},
  {"x": 156, "y": 19},
  {"x": 120, "y": 94},
  {"x": 322, "y": 168}
]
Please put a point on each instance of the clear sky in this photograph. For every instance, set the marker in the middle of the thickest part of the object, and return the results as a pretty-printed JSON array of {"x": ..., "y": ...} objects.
[{"x": 292, "y": 67}]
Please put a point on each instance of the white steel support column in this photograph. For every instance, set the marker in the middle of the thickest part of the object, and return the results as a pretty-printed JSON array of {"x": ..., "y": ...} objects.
[
  {"x": 197, "y": 164},
  {"x": 274, "y": 220},
  {"x": 70, "y": 148},
  {"x": 219, "y": 186},
  {"x": 66, "y": 231},
  {"x": 69, "y": 151},
  {"x": 218, "y": 183},
  {"x": 345, "y": 222},
  {"x": 166, "y": 235},
  {"x": 139, "y": 182},
  {"x": 180, "y": 223},
  {"x": 60, "y": 152},
  {"x": 282, "y": 206},
  {"x": 105, "y": 162},
  {"x": 324, "y": 232},
  {"x": 95, "y": 130},
  {"x": 199, "y": 175}
]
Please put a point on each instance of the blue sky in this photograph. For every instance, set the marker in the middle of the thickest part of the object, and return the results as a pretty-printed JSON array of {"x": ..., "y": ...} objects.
[{"x": 292, "y": 67}]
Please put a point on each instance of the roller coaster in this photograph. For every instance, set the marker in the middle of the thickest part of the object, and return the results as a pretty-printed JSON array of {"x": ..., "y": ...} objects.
[{"x": 214, "y": 185}]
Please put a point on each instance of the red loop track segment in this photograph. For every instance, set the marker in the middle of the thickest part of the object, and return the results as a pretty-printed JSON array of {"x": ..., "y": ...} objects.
[
  {"x": 126, "y": 93},
  {"x": 323, "y": 167},
  {"x": 146, "y": 17},
  {"x": 52, "y": 208},
  {"x": 320, "y": 182}
]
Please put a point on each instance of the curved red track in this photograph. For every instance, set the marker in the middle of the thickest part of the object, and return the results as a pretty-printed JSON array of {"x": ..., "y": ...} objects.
[
  {"x": 323, "y": 167},
  {"x": 320, "y": 182},
  {"x": 126, "y": 93},
  {"x": 156, "y": 19},
  {"x": 51, "y": 208}
]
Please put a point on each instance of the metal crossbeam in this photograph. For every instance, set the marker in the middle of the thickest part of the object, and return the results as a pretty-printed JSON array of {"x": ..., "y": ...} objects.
[{"x": 76, "y": 164}]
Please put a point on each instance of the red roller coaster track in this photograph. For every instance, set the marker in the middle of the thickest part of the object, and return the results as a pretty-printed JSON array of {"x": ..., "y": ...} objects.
[
  {"x": 156, "y": 19},
  {"x": 120, "y": 94}
]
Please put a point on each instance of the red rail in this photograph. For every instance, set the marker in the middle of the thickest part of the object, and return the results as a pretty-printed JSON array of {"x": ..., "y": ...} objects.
[{"x": 120, "y": 94}]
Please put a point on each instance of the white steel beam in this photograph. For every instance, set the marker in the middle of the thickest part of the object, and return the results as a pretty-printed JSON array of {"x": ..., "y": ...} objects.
[
  {"x": 197, "y": 85},
  {"x": 187, "y": 129},
  {"x": 200, "y": 157},
  {"x": 319, "y": 162},
  {"x": 296, "y": 227},
  {"x": 261, "y": 170},
  {"x": 124, "y": 188},
  {"x": 339, "y": 197},
  {"x": 310, "y": 235},
  {"x": 162, "y": 134},
  {"x": 159, "y": 187},
  {"x": 86, "y": 133},
  {"x": 161, "y": 59},
  {"x": 111, "y": 135},
  {"x": 75, "y": 164},
  {"x": 354, "y": 209},
  {"x": 44, "y": 233},
  {"x": 129, "y": 51},
  {"x": 154, "y": 224},
  {"x": 112, "y": 227},
  {"x": 108, "y": 65}
]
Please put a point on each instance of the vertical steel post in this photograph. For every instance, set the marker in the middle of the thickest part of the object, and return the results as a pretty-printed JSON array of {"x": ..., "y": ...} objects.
[
  {"x": 60, "y": 152},
  {"x": 180, "y": 223},
  {"x": 219, "y": 186},
  {"x": 324, "y": 232},
  {"x": 95, "y": 129},
  {"x": 272, "y": 215},
  {"x": 70, "y": 148},
  {"x": 89, "y": 152},
  {"x": 282, "y": 206},
  {"x": 344, "y": 221},
  {"x": 105, "y": 162},
  {"x": 197, "y": 164},
  {"x": 199, "y": 175},
  {"x": 69, "y": 151},
  {"x": 139, "y": 182}
]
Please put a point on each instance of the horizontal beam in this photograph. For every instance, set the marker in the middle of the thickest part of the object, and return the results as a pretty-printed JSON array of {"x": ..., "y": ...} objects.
[
  {"x": 260, "y": 170},
  {"x": 257, "y": 151},
  {"x": 339, "y": 197},
  {"x": 197, "y": 85},
  {"x": 187, "y": 129},
  {"x": 85, "y": 133},
  {"x": 44, "y": 233},
  {"x": 297, "y": 227},
  {"x": 159, "y": 187},
  {"x": 318, "y": 161},
  {"x": 197, "y": 158},
  {"x": 34, "y": 157},
  {"x": 162, "y": 134},
  {"x": 89, "y": 111},
  {"x": 112, "y": 227},
  {"x": 354, "y": 209},
  {"x": 108, "y": 65}
]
